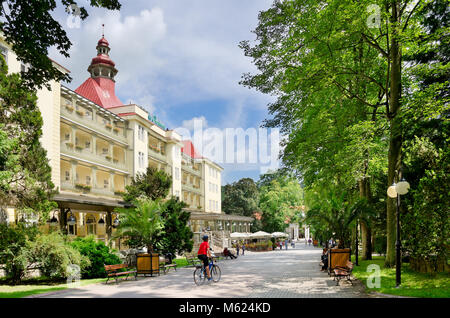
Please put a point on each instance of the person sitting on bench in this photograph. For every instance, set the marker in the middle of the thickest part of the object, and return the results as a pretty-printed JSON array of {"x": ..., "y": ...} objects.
[
  {"x": 324, "y": 259},
  {"x": 227, "y": 253}
]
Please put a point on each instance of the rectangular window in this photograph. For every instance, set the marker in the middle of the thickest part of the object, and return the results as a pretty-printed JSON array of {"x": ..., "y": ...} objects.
[
  {"x": 88, "y": 180},
  {"x": 141, "y": 133},
  {"x": 177, "y": 173},
  {"x": 67, "y": 175},
  {"x": 105, "y": 184},
  {"x": 141, "y": 160}
]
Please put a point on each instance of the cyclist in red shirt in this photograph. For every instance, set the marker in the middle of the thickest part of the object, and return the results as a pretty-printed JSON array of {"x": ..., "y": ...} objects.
[{"x": 204, "y": 253}]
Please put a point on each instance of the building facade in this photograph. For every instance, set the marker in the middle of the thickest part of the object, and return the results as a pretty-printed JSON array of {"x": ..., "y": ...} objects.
[{"x": 96, "y": 145}]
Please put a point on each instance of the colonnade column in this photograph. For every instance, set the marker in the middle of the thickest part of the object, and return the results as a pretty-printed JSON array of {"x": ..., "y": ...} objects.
[{"x": 111, "y": 180}]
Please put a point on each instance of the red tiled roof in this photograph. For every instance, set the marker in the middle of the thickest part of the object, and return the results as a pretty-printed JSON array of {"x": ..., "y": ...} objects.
[
  {"x": 100, "y": 91},
  {"x": 189, "y": 150}
]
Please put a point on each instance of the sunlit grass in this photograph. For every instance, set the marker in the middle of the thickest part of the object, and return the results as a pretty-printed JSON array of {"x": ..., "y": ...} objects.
[
  {"x": 413, "y": 284},
  {"x": 28, "y": 288}
]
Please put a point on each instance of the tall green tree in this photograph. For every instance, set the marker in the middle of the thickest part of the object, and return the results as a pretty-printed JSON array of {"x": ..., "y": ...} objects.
[
  {"x": 240, "y": 198},
  {"x": 335, "y": 66},
  {"x": 25, "y": 175},
  {"x": 177, "y": 237},
  {"x": 279, "y": 202},
  {"x": 426, "y": 225},
  {"x": 152, "y": 184}
]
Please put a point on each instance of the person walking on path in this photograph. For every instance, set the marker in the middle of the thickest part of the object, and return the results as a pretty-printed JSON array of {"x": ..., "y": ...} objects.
[
  {"x": 237, "y": 249},
  {"x": 286, "y": 244},
  {"x": 243, "y": 249}
]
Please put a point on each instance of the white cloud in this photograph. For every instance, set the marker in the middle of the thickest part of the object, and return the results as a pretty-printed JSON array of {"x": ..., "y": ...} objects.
[
  {"x": 189, "y": 124},
  {"x": 172, "y": 53}
]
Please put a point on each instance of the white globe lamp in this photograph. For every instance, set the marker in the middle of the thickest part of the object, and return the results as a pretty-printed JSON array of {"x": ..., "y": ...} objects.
[
  {"x": 402, "y": 187},
  {"x": 392, "y": 192}
]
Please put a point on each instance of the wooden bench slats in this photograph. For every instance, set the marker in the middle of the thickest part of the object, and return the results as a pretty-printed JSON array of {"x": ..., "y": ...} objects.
[
  {"x": 111, "y": 271},
  {"x": 343, "y": 272}
]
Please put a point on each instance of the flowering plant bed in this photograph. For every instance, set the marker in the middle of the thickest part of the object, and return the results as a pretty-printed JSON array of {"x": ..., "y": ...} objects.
[{"x": 83, "y": 187}]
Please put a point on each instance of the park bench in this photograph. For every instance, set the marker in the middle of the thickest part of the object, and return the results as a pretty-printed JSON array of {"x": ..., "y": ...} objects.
[
  {"x": 116, "y": 271},
  {"x": 343, "y": 272},
  {"x": 337, "y": 258},
  {"x": 164, "y": 266},
  {"x": 192, "y": 259}
]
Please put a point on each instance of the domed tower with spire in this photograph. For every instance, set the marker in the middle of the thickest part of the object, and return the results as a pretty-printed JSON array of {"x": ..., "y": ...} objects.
[{"x": 100, "y": 86}]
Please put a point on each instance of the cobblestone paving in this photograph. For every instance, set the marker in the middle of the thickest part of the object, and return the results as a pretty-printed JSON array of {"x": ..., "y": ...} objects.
[{"x": 292, "y": 273}]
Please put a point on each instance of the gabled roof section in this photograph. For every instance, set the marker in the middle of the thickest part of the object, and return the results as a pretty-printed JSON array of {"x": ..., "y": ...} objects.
[{"x": 189, "y": 150}]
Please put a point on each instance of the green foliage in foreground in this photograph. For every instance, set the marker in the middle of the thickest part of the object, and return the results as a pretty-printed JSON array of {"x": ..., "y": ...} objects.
[
  {"x": 414, "y": 284},
  {"x": 98, "y": 253}
]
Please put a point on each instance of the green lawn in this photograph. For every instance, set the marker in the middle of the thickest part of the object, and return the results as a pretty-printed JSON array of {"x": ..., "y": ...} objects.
[
  {"x": 413, "y": 284},
  {"x": 33, "y": 288}
]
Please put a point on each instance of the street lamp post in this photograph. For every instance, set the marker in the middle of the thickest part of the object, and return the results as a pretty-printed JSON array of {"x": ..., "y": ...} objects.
[{"x": 394, "y": 192}]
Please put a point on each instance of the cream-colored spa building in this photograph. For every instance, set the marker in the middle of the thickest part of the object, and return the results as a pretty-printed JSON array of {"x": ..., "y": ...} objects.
[{"x": 96, "y": 145}]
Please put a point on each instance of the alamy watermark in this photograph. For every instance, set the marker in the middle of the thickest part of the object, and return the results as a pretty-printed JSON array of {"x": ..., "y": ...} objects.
[
  {"x": 374, "y": 20},
  {"x": 73, "y": 21},
  {"x": 74, "y": 276},
  {"x": 374, "y": 279},
  {"x": 252, "y": 146}
]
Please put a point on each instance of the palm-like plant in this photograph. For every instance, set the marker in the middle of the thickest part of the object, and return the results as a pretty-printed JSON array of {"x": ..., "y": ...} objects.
[
  {"x": 141, "y": 224},
  {"x": 333, "y": 211}
]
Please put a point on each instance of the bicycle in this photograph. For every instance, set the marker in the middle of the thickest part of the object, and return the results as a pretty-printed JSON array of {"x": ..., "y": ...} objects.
[{"x": 200, "y": 273}]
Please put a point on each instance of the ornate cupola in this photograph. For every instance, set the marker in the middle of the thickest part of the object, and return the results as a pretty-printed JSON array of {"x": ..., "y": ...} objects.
[
  {"x": 100, "y": 86},
  {"x": 102, "y": 65}
]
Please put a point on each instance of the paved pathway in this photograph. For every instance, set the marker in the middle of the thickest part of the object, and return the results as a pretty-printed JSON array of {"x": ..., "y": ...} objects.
[{"x": 292, "y": 273}]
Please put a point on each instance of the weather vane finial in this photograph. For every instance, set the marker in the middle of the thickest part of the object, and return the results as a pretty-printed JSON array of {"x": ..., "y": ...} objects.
[{"x": 103, "y": 30}]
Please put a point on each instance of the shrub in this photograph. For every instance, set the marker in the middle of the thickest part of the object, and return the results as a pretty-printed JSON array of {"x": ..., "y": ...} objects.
[
  {"x": 12, "y": 240},
  {"x": 99, "y": 255},
  {"x": 52, "y": 255}
]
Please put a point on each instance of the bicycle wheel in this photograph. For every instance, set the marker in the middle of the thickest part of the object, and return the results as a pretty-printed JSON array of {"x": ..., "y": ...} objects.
[
  {"x": 215, "y": 273},
  {"x": 199, "y": 276}
]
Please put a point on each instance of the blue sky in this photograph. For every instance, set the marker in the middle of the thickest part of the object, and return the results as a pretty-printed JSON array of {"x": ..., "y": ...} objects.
[{"x": 179, "y": 59}]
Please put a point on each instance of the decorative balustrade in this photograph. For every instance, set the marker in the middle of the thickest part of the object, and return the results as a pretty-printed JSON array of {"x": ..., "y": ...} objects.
[
  {"x": 87, "y": 154},
  {"x": 79, "y": 116}
]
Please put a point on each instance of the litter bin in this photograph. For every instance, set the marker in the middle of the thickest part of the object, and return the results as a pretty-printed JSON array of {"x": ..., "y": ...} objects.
[{"x": 147, "y": 264}]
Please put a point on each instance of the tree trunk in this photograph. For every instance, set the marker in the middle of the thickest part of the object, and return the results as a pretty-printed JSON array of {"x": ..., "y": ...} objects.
[
  {"x": 366, "y": 242},
  {"x": 395, "y": 140},
  {"x": 366, "y": 233}
]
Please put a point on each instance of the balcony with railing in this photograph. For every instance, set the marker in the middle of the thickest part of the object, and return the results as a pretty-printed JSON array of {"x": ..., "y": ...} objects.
[
  {"x": 82, "y": 152},
  {"x": 157, "y": 152},
  {"x": 83, "y": 179},
  {"x": 101, "y": 123},
  {"x": 187, "y": 186},
  {"x": 193, "y": 169}
]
